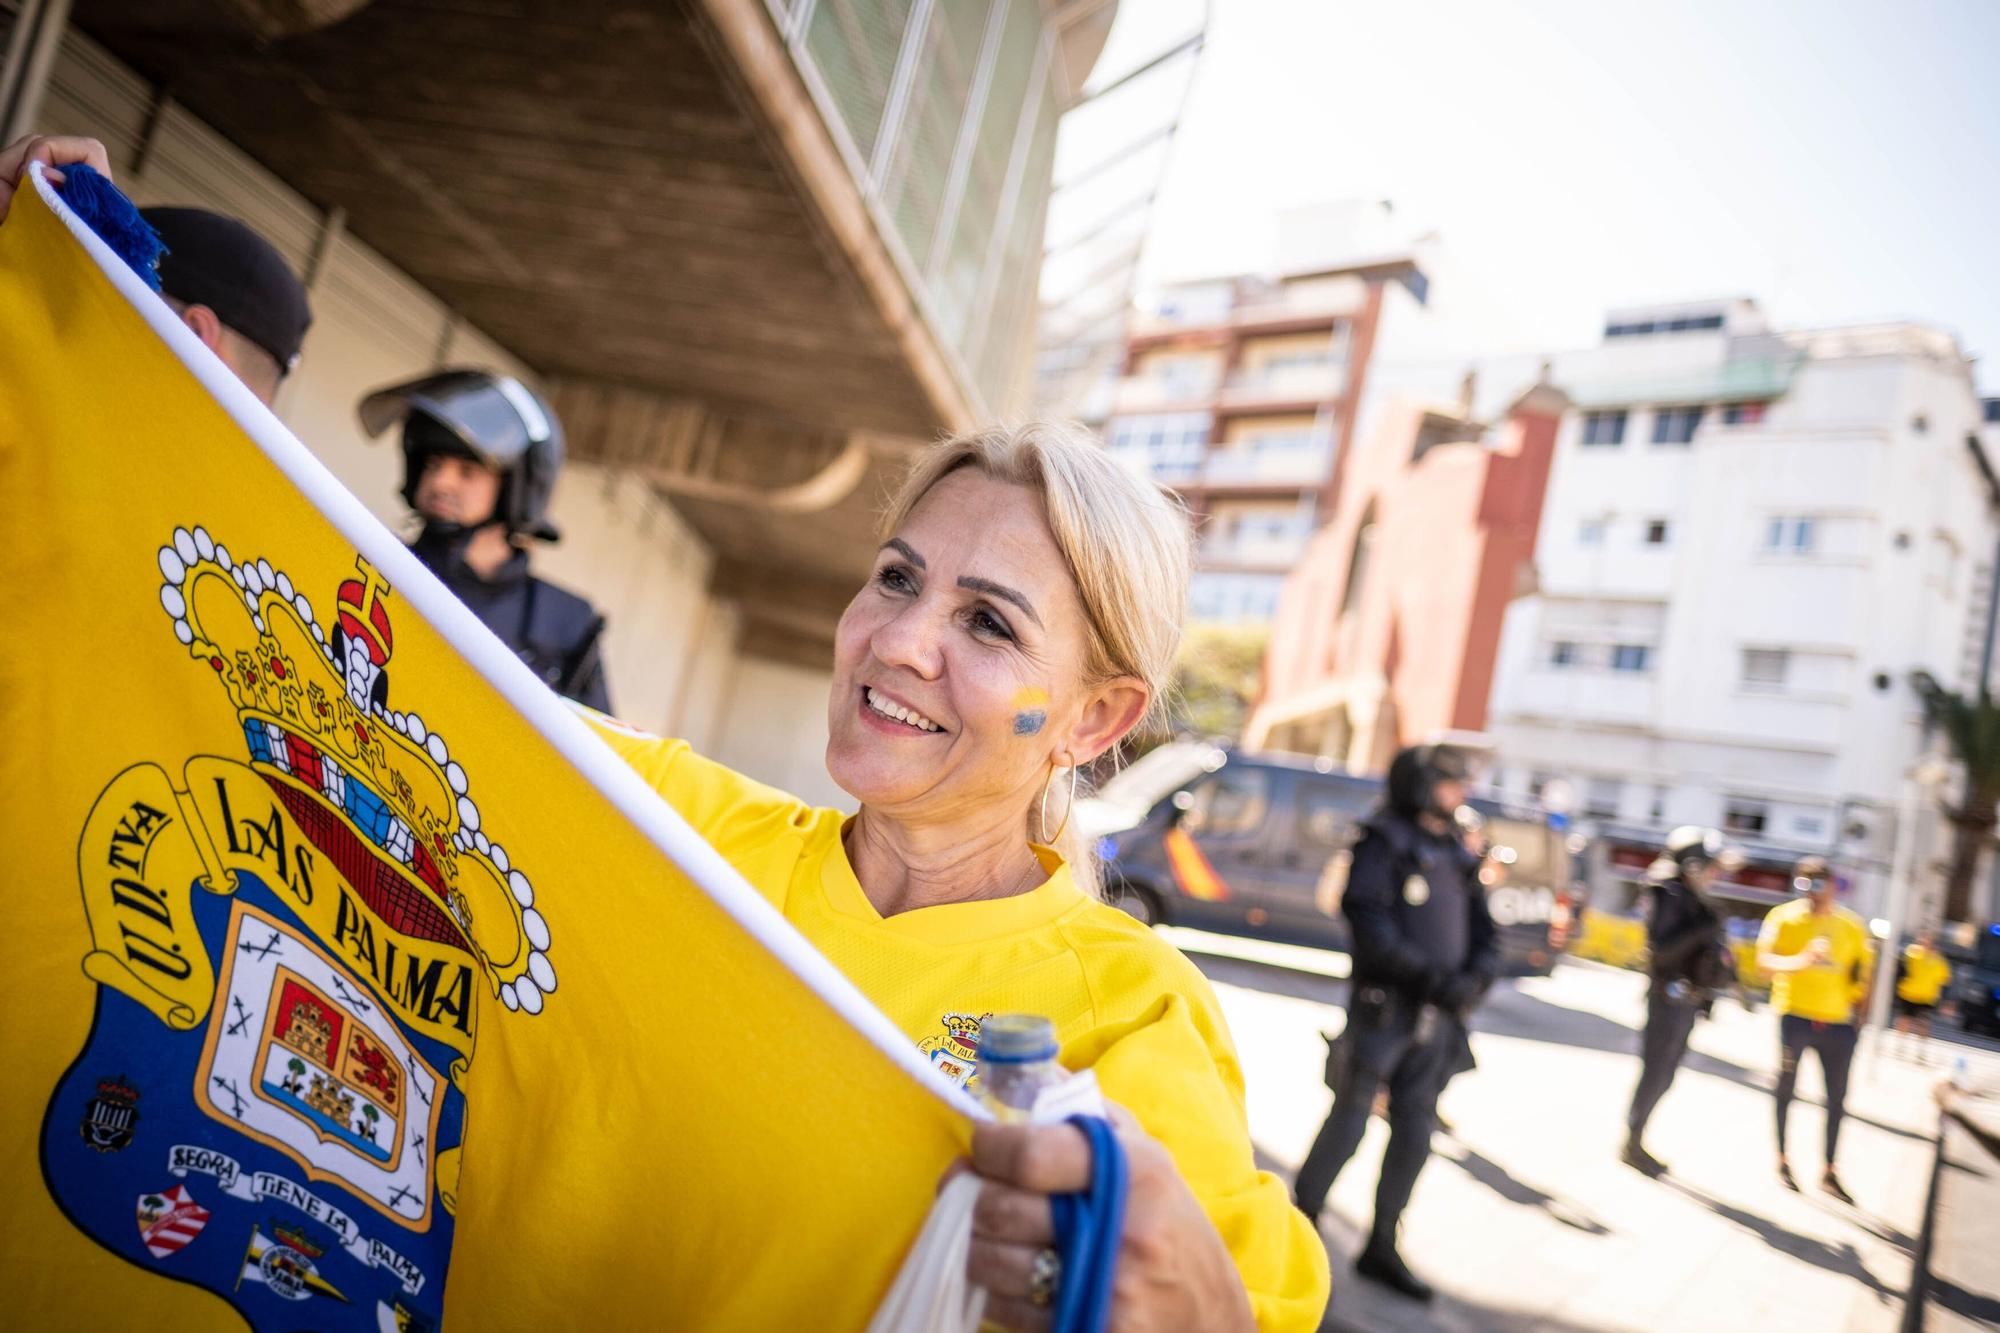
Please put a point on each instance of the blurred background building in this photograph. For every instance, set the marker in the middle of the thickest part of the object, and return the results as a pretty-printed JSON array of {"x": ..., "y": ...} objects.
[
  {"x": 1389, "y": 628},
  {"x": 755, "y": 252},
  {"x": 1241, "y": 394},
  {"x": 1751, "y": 539}
]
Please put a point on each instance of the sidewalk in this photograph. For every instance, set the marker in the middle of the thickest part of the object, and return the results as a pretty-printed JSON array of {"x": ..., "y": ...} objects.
[{"x": 1526, "y": 1219}]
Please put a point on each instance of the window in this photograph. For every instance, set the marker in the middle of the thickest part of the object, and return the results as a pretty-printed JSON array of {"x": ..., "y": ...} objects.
[
  {"x": 1357, "y": 561},
  {"x": 1808, "y": 826},
  {"x": 1590, "y": 532},
  {"x": 1233, "y": 801},
  {"x": 1675, "y": 425},
  {"x": 1170, "y": 445},
  {"x": 1565, "y": 653},
  {"x": 1603, "y": 428},
  {"x": 1743, "y": 414},
  {"x": 1631, "y": 657},
  {"x": 1330, "y": 814},
  {"x": 1672, "y": 324},
  {"x": 1790, "y": 535},
  {"x": 1656, "y": 531},
  {"x": 1181, "y": 376},
  {"x": 1765, "y": 668},
  {"x": 1657, "y": 811},
  {"x": 1744, "y": 816},
  {"x": 1601, "y": 797}
]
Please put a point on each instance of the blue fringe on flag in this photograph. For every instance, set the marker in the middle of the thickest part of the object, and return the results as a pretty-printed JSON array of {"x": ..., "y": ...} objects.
[{"x": 116, "y": 220}]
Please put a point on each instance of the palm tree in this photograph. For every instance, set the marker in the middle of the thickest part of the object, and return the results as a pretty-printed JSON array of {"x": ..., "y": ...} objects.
[{"x": 1971, "y": 725}]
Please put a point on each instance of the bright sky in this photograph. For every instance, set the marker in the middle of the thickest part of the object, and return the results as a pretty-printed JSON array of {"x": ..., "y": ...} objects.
[{"x": 1838, "y": 160}]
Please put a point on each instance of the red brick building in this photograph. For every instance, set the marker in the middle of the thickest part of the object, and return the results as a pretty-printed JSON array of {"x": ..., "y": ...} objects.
[{"x": 1389, "y": 628}]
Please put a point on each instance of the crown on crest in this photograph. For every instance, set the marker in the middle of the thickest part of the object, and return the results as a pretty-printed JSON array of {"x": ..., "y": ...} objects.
[
  {"x": 117, "y": 1090},
  {"x": 375, "y": 789}
]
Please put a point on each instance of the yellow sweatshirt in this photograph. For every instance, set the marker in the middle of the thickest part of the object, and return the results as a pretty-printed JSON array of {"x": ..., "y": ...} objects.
[{"x": 1124, "y": 1003}]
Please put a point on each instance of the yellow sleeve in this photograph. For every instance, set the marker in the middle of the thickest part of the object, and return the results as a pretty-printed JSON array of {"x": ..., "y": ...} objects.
[
  {"x": 756, "y": 828},
  {"x": 1175, "y": 1069},
  {"x": 1767, "y": 934},
  {"x": 1864, "y": 971}
]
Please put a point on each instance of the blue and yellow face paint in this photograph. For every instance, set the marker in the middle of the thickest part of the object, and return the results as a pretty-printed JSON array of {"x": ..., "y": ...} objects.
[{"x": 1031, "y": 710}]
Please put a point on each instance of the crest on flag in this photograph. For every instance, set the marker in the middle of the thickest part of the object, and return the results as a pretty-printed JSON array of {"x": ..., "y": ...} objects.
[
  {"x": 290, "y": 943},
  {"x": 169, "y": 1221},
  {"x": 110, "y": 1116}
]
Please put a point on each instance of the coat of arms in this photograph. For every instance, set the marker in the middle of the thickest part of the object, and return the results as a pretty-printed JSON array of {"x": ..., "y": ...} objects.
[{"x": 291, "y": 938}]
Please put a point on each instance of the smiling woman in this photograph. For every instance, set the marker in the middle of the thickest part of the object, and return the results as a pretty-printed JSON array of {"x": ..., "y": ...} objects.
[{"x": 1021, "y": 620}]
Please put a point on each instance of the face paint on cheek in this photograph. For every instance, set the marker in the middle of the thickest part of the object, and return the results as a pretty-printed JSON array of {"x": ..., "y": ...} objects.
[{"x": 1030, "y": 710}]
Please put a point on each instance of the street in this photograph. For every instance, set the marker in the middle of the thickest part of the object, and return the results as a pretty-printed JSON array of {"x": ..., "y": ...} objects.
[{"x": 1525, "y": 1219}]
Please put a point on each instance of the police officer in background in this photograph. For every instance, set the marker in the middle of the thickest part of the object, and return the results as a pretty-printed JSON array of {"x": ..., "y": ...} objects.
[
  {"x": 480, "y": 456},
  {"x": 1689, "y": 963},
  {"x": 1423, "y": 957}
]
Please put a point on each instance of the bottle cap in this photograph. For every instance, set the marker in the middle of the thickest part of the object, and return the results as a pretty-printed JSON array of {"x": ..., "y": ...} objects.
[{"x": 1017, "y": 1039}]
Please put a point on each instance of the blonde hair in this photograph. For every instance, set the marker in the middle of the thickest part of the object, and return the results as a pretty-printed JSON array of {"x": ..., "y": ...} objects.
[{"x": 1127, "y": 545}]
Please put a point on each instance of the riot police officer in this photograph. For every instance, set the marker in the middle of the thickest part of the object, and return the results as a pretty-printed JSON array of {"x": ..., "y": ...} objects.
[
  {"x": 1423, "y": 958},
  {"x": 1689, "y": 962},
  {"x": 480, "y": 456}
]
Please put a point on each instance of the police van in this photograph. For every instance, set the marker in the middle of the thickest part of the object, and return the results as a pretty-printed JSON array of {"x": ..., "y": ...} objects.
[{"x": 1193, "y": 834}]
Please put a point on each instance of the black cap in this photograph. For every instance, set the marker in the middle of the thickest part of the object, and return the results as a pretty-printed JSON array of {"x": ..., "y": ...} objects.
[{"x": 218, "y": 262}]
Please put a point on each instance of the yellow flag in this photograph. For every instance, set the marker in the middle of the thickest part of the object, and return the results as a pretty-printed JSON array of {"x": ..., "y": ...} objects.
[{"x": 348, "y": 981}]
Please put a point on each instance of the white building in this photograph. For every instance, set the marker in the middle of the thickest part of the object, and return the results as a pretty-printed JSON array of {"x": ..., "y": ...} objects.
[{"x": 1750, "y": 540}]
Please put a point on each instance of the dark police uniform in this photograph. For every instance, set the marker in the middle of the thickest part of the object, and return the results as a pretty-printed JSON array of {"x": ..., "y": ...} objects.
[
  {"x": 1423, "y": 956},
  {"x": 1687, "y": 966},
  {"x": 558, "y": 634},
  {"x": 497, "y": 421}
]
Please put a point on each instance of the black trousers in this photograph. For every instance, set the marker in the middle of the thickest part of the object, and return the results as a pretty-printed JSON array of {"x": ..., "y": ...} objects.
[
  {"x": 1414, "y": 1083},
  {"x": 1834, "y": 1042},
  {"x": 1669, "y": 1022}
]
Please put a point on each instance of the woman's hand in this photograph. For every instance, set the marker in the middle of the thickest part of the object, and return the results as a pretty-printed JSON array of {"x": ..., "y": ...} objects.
[
  {"x": 53, "y": 151},
  {"x": 1173, "y": 1270}
]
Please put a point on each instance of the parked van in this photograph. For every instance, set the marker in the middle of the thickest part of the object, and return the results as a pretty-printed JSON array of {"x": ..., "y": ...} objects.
[{"x": 1258, "y": 844}]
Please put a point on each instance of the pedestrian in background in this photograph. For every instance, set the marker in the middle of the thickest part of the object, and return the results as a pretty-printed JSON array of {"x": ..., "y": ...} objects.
[
  {"x": 1688, "y": 963},
  {"x": 1424, "y": 956},
  {"x": 481, "y": 453},
  {"x": 1919, "y": 984},
  {"x": 1819, "y": 957}
]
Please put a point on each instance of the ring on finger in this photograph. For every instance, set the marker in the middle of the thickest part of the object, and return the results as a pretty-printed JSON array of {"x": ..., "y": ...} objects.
[{"x": 1044, "y": 1276}]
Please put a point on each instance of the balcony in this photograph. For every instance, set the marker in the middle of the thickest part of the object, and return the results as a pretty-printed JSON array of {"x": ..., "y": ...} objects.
[
  {"x": 1291, "y": 384},
  {"x": 1287, "y": 465},
  {"x": 1254, "y": 550},
  {"x": 1154, "y": 394}
]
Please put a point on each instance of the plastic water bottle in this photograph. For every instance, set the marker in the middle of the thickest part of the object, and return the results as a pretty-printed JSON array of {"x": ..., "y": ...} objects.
[{"x": 1017, "y": 1059}]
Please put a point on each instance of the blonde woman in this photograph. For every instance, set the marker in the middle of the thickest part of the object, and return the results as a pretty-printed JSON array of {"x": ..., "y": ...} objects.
[{"x": 1021, "y": 619}]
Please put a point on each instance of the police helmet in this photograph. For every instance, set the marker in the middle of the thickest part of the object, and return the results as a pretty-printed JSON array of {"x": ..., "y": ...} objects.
[
  {"x": 1415, "y": 772},
  {"x": 477, "y": 414},
  {"x": 1689, "y": 847}
]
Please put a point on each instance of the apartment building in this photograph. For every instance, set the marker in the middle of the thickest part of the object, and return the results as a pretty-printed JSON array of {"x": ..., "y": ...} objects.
[
  {"x": 1242, "y": 394},
  {"x": 1751, "y": 538}
]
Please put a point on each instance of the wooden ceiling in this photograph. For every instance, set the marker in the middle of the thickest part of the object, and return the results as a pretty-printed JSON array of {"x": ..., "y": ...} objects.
[{"x": 589, "y": 183}]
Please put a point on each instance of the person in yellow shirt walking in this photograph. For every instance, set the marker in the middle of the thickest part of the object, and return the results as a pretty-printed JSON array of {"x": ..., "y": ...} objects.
[
  {"x": 1819, "y": 958},
  {"x": 1925, "y": 973}
]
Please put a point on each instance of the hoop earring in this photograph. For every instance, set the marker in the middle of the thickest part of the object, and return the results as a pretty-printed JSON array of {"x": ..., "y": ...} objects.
[{"x": 1048, "y": 839}]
